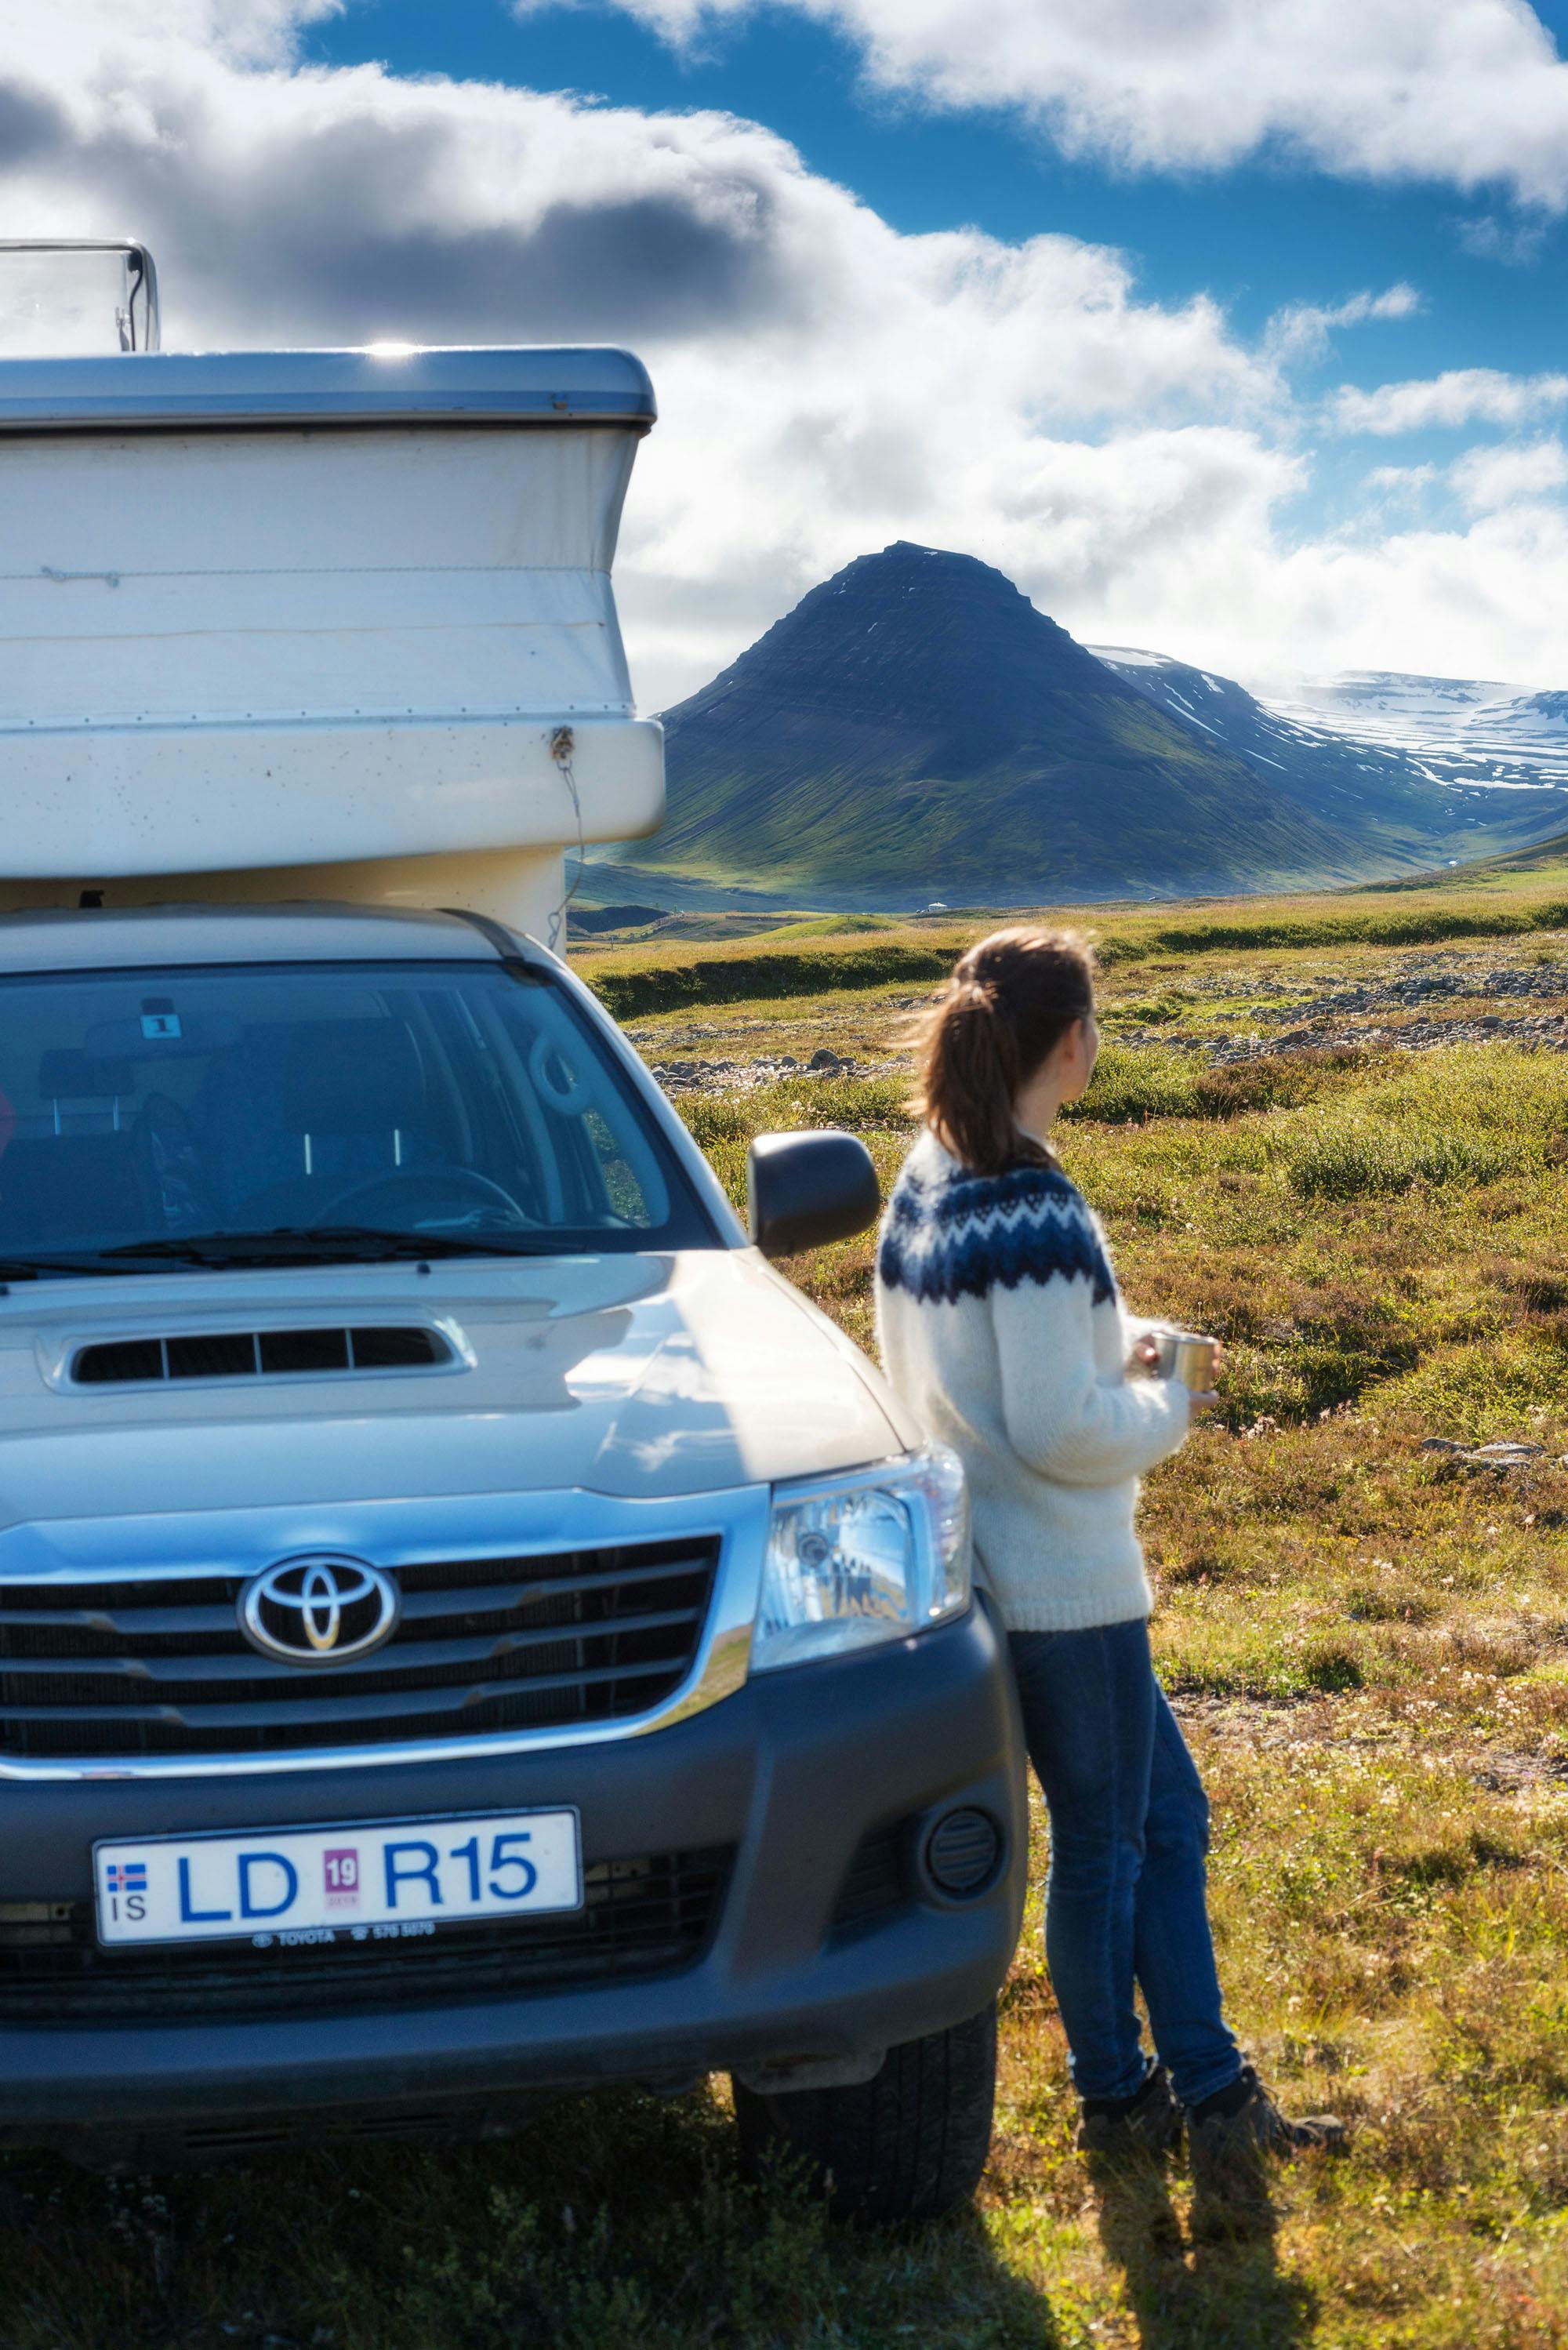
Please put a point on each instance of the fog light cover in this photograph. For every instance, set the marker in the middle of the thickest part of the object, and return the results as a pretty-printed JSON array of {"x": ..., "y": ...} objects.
[
  {"x": 864, "y": 1560},
  {"x": 962, "y": 1851}
]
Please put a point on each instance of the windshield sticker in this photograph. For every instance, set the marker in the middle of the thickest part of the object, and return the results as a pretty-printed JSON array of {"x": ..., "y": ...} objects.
[{"x": 155, "y": 1024}]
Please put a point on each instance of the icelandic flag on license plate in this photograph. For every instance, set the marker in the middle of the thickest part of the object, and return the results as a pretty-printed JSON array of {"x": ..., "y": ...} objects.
[{"x": 128, "y": 1877}]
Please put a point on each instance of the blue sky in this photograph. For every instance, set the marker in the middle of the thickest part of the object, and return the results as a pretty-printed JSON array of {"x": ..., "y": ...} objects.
[{"x": 1235, "y": 328}]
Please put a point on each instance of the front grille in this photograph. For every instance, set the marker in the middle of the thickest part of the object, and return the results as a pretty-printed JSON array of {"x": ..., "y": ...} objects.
[
  {"x": 158, "y": 1666},
  {"x": 641, "y": 1916}
]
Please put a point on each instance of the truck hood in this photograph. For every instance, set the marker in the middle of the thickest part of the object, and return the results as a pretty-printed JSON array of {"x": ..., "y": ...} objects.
[{"x": 627, "y": 1376}]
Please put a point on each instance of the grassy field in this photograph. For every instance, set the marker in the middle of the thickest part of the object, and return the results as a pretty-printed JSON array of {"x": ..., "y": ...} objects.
[
  {"x": 1501, "y": 898},
  {"x": 1365, "y": 1628}
]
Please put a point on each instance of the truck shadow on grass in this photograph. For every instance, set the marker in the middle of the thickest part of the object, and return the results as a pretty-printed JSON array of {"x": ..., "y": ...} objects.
[{"x": 612, "y": 2223}]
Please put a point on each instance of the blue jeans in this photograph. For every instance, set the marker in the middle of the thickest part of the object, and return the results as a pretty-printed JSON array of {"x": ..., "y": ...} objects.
[{"x": 1125, "y": 1898}]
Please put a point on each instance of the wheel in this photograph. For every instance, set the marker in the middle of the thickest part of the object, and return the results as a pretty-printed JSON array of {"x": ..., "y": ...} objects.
[{"x": 908, "y": 2144}]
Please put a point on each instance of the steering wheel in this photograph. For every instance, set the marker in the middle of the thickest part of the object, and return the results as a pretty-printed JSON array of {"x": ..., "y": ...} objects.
[{"x": 483, "y": 1187}]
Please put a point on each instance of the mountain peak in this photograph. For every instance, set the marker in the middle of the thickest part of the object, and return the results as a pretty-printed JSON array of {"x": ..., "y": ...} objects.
[
  {"x": 913, "y": 635},
  {"x": 938, "y": 570},
  {"x": 907, "y": 554}
]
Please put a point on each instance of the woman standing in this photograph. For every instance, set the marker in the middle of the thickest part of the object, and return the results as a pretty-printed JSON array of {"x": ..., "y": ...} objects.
[{"x": 1001, "y": 1323}]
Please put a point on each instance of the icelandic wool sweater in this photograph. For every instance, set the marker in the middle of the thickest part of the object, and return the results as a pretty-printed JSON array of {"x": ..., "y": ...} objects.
[{"x": 1001, "y": 1324}]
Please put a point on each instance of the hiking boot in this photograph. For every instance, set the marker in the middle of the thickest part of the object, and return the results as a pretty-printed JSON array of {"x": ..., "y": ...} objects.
[
  {"x": 1232, "y": 2140},
  {"x": 1141, "y": 2128}
]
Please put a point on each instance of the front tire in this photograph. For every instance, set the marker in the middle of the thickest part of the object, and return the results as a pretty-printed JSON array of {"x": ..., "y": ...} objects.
[{"x": 908, "y": 2144}]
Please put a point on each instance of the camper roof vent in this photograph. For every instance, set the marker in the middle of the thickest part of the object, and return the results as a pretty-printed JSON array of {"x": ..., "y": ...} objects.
[{"x": 136, "y": 312}]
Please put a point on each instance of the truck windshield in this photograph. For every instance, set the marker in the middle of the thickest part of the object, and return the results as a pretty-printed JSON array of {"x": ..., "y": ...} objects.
[{"x": 275, "y": 1113}]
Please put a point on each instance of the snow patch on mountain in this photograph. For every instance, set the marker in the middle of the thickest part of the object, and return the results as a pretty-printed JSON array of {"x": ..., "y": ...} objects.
[
  {"x": 1474, "y": 730},
  {"x": 1464, "y": 734}
]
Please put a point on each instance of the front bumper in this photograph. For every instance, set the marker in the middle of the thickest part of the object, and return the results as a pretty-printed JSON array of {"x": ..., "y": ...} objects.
[{"x": 791, "y": 1774}]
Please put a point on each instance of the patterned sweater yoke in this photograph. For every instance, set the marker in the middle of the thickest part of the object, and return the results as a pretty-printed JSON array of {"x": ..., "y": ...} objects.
[
  {"x": 1000, "y": 1323},
  {"x": 967, "y": 1235}
]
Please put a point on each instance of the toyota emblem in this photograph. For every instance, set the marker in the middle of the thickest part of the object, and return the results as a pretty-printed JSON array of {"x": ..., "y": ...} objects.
[{"x": 321, "y": 1610}]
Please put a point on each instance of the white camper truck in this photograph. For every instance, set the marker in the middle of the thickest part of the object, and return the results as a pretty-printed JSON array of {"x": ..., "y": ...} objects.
[{"x": 468, "y": 1629}]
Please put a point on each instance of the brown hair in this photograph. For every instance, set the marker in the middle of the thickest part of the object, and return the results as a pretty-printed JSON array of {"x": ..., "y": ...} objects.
[{"x": 1010, "y": 1001}]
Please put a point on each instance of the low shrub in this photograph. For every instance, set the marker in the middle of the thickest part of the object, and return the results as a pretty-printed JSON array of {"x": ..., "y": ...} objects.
[
  {"x": 1281, "y": 1081},
  {"x": 1365, "y": 1158},
  {"x": 1133, "y": 1083},
  {"x": 864, "y": 1105},
  {"x": 1130, "y": 1085}
]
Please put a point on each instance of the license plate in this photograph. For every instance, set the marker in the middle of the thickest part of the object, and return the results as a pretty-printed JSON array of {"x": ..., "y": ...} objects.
[{"x": 365, "y": 1883}]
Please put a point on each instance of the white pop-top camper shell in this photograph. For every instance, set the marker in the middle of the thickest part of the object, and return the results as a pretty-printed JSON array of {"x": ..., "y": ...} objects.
[{"x": 311, "y": 623}]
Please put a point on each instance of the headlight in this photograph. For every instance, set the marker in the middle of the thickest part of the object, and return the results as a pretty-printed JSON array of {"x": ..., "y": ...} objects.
[{"x": 867, "y": 1558}]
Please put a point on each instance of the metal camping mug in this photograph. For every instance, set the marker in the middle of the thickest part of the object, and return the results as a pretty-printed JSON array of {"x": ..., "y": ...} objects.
[{"x": 1187, "y": 1357}]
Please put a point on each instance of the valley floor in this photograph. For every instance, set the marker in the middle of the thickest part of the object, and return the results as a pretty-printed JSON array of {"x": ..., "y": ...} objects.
[{"x": 1362, "y": 1620}]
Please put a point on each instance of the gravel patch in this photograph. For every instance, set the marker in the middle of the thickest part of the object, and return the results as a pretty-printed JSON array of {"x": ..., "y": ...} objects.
[
  {"x": 1345, "y": 1019},
  {"x": 728, "y": 1076}
]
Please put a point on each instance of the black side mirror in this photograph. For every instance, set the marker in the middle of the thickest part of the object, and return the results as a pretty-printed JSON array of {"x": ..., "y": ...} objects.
[{"x": 805, "y": 1189}]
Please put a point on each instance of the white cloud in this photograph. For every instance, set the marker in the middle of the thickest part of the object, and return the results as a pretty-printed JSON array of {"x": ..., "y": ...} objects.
[
  {"x": 1518, "y": 241},
  {"x": 1488, "y": 601},
  {"x": 1466, "y": 91},
  {"x": 827, "y": 385},
  {"x": 1488, "y": 480},
  {"x": 1462, "y": 396},
  {"x": 1302, "y": 330},
  {"x": 1409, "y": 482}
]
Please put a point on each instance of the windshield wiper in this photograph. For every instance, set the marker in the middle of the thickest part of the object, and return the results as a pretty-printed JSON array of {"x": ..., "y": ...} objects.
[
  {"x": 285, "y": 1244},
  {"x": 305, "y": 1243},
  {"x": 32, "y": 1268}
]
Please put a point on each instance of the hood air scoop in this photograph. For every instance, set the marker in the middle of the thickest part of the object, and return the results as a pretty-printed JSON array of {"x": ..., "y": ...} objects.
[{"x": 261, "y": 1353}]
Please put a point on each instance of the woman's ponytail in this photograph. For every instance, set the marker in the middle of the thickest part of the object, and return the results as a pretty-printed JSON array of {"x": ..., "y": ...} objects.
[{"x": 1008, "y": 1004}]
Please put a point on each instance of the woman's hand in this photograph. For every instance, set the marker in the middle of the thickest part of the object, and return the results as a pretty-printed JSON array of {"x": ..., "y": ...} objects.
[
  {"x": 1197, "y": 1405},
  {"x": 1145, "y": 1356}
]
